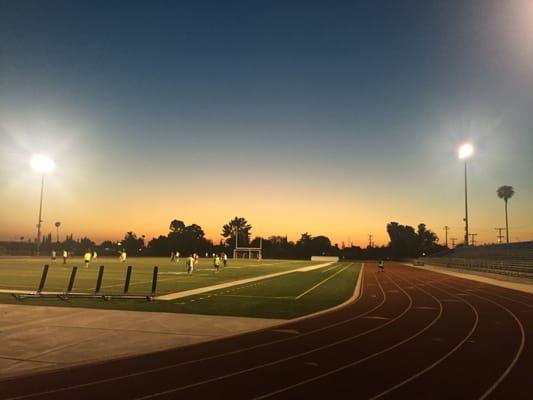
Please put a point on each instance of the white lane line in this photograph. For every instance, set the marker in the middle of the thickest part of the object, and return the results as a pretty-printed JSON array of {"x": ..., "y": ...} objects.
[
  {"x": 322, "y": 282},
  {"x": 443, "y": 358}
]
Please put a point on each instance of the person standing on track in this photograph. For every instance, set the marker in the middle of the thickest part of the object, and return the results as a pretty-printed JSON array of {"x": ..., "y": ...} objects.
[
  {"x": 225, "y": 259},
  {"x": 381, "y": 266}
]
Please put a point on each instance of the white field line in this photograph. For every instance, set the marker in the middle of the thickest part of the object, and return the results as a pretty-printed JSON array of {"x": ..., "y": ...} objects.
[
  {"x": 186, "y": 293},
  {"x": 322, "y": 282},
  {"x": 329, "y": 269}
]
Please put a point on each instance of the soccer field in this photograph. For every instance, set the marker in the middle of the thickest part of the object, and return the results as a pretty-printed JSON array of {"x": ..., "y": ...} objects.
[{"x": 285, "y": 296}]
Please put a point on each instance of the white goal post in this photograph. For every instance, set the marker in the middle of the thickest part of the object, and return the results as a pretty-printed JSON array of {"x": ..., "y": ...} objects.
[{"x": 248, "y": 252}]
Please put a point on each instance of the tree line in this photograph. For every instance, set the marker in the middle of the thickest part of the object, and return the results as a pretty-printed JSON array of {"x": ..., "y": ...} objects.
[{"x": 405, "y": 242}]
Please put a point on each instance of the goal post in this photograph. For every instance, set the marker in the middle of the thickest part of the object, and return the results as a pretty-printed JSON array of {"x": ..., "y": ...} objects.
[{"x": 252, "y": 253}]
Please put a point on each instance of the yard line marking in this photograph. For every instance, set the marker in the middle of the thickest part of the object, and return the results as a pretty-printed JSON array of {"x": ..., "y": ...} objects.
[
  {"x": 329, "y": 269},
  {"x": 187, "y": 293},
  {"x": 322, "y": 282}
]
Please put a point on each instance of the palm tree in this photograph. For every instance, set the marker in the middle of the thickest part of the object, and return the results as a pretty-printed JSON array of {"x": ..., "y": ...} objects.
[
  {"x": 505, "y": 193},
  {"x": 57, "y": 224}
]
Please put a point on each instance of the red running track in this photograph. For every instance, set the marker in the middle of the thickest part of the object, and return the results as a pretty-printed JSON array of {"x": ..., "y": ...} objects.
[{"x": 412, "y": 334}]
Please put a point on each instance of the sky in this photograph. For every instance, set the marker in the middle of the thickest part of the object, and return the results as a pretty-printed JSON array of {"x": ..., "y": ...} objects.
[{"x": 332, "y": 118}]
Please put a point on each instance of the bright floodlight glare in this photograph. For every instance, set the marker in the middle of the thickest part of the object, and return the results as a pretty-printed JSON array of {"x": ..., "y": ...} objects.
[
  {"x": 466, "y": 150},
  {"x": 42, "y": 163}
]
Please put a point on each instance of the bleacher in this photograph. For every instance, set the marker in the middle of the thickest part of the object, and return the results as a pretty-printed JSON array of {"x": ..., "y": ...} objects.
[{"x": 514, "y": 259}]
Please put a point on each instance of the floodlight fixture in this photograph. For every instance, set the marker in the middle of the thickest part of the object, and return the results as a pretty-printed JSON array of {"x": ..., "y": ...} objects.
[
  {"x": 42, "y": 163},
  {"x": 465, "y": 151}
]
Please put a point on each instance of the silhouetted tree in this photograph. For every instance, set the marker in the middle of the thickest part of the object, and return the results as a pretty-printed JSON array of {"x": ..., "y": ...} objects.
[
  {"x": 176, "y": 226},
  {"x": 403, "y": 240},
  {"x": 505, "y": 193},
  {"x": 132, "y": 244},
  {"x": 159, "y": 246},
  {"x": 427, "y": 240},
  {"x": 243, "y": 229}
]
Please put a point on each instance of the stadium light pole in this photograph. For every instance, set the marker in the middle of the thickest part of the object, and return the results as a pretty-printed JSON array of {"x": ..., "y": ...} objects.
[
  {"x": 465, "y": 151},
  {"x": 42, "y": 164}
]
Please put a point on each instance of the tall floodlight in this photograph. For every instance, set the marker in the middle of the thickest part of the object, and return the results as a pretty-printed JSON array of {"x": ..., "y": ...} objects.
[
  {"x": 42, "y": 164},
  {"x": 465, "y": 151}
]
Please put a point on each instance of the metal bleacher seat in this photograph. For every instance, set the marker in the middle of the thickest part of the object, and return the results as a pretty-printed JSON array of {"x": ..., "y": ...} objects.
[{"x": 514, "y": 259}]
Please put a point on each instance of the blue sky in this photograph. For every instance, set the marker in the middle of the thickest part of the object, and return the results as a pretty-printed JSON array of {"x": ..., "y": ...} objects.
[{"x": 345, "y": 115}]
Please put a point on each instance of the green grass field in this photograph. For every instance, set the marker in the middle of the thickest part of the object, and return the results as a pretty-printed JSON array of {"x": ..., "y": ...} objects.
[{"x": 286, "y": 296}]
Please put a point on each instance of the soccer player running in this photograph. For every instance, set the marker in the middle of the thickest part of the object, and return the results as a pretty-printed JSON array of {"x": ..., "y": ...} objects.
[
  {"x": 87, "y": 258},
  {"x": 216, "y": 263},
  {"x": 190, "y": 264},
  {"x": 123, "y": 256}
]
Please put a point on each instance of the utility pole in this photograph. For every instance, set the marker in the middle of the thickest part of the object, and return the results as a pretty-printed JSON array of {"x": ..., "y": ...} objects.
[
  {"x": 453, "y": 242},
  {"x": 500, "y": 236},
  {"x": 473, "y": 238},
  {"x": 446, "y": 229},
  {"x": 370, "y": 242}
]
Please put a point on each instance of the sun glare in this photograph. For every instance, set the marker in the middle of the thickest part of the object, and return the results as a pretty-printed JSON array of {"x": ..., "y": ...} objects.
[{"x": 42, "y": 163}]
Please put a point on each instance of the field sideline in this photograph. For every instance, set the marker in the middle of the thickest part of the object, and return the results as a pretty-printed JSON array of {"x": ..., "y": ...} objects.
[{"x": 289, "y": 295}]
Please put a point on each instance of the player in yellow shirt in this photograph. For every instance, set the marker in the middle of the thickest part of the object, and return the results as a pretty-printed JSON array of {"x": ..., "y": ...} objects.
[
  {"x": 87, "y": 258},
  {"x": 216, "y": 263}
]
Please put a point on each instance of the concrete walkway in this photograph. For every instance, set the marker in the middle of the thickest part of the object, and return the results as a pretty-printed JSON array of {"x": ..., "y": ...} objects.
[
  {"x": 520, "y": 285},
  {"x": 35, "y": 338}
]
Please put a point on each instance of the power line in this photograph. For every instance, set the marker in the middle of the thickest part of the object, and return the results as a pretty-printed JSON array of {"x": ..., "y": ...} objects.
[
  {"x": 473, "y": 238},
  {"x": 499, "y": 236},
  {"x": 453, "y": 242}
]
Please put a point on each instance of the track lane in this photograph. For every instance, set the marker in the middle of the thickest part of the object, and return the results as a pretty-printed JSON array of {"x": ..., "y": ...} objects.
[{"x": 477, "y": 365}]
